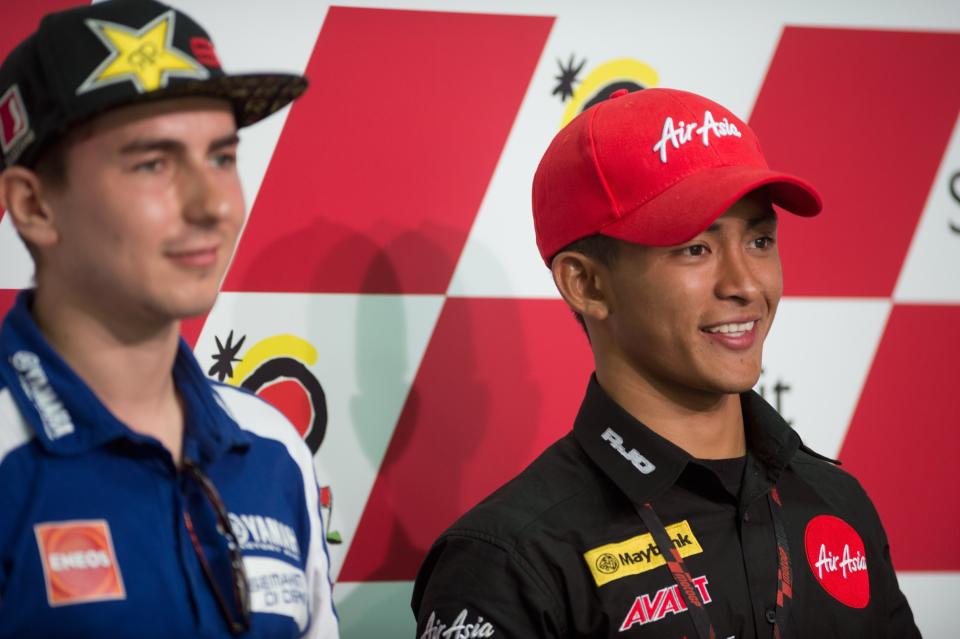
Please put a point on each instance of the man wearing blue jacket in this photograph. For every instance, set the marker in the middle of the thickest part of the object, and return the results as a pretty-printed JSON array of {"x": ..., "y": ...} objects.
[{"x": 138, "y": 497}]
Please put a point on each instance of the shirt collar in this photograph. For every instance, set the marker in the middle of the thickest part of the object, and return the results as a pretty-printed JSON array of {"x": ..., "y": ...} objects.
[
  {"x": 69, "y": 419},
  {"x": 644, "y": 465}
]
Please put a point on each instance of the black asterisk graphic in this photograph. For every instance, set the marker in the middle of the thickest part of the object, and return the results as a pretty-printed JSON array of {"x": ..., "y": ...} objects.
[
  {"x": 955, "y": 192},
  {"x": 567, "y": 77},
  {"x": 225, "y": 357}
]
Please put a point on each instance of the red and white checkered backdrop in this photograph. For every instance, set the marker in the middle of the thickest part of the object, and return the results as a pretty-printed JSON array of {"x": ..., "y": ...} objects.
[{"x": 387, "y": 295}]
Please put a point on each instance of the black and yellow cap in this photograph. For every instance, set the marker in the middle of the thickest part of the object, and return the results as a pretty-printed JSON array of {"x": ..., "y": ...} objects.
[{"x": 84, "y": 61}]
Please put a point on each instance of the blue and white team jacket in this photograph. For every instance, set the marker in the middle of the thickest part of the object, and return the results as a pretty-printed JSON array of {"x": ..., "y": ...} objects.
[{"x": 92, "y": 535}]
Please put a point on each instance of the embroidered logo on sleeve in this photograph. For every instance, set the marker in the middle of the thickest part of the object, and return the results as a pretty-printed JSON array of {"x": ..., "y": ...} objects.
[
  {"x": 79, "y": 563},
  {"x": 461, "y": 628},
  {"x": 277, "y": 588},
  {"x": 838, "y": 560},
  {"x": 638, "y": 554}
]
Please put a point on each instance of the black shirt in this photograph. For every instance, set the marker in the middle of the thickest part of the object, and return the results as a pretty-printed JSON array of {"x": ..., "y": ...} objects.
[
  {"x": 563, "y": 551},
  {"x": 729, "y": 471}
]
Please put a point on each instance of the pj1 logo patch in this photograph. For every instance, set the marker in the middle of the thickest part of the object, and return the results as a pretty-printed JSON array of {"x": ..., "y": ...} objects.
[{"x": 79, "y": 563}]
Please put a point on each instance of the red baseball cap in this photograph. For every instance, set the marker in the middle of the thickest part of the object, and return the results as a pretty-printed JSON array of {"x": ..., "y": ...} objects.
[{"x": 654, "y": 167}]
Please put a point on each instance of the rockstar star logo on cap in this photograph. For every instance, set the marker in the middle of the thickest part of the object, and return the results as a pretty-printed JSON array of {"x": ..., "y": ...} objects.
[{"x": 145, "y": 57}]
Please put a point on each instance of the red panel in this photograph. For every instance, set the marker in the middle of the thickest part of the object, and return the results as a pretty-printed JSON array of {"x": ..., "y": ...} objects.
[
  {"x": 501, "y": 380},
  {"x": 290, "y": 398},
  {"x": 381, "y": 167},
  {"x": 191, "y": 327},
  {"x": 7, "y": 297},
  {"x": 866, "y": 116},
  {"x": 22, "y": 20},
  {"x": 904, "y": 439}
]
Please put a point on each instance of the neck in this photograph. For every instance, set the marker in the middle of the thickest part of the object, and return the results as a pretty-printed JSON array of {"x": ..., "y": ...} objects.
[
  {"x": 128, "y": 367},
  {"x": 705, "y": 425}
]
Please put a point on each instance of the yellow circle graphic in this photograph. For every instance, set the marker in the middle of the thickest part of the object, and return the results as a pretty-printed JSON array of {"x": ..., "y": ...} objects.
[{"x": 605, "y": 76}]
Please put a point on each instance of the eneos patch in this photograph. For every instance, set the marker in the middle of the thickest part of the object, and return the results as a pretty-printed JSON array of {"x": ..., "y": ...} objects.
[
  {"x": 79, "y": 563},
  {"x": 838, "y": 560}
]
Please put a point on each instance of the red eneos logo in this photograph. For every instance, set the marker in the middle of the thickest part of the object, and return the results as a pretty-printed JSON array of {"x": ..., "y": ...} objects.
[
  {"x": 79, "y": 564},
  {"x": 838, "y": 560}
]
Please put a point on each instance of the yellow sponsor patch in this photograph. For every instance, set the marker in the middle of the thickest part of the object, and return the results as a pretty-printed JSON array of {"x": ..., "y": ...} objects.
[{"x": 637, "y": 554}]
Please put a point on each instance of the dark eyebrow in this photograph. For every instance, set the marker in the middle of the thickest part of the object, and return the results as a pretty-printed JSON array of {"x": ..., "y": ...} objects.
[
  {"x": 231, "y": 139},
  {"x": 171, "y": 146},
  {"x": 144, "y": 146},
  {"x": 768, "y": 217}
]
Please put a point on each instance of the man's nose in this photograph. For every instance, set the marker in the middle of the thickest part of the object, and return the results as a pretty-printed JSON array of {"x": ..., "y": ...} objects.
[
  {"x": 737, "y": 278},
  {"x": 205, "y": 196}
]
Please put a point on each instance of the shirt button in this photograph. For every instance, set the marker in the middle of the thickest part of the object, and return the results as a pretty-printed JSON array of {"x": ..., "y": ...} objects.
[
  {"x": 746, "y": 516},
  {"x": 772, "y": 616}
]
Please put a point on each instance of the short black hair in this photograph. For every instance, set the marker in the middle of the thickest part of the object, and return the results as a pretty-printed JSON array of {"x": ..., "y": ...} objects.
[
  {"x": 601, "y": 248},
  {"x": 51, "y": 165}
]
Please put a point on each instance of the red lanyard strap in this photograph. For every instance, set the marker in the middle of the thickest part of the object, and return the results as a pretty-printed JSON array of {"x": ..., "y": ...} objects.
[
  {"x": 784, "y": 574},
  {"x": 695, "y": 605}
]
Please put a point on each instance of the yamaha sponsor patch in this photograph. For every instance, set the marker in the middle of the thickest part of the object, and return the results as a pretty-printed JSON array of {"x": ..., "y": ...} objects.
[
  {"x": 79, "y": 563},
  {"x": 638, "y": 554},
  {"x": 36, "y": 386},
  {"x": 257, "y": 532}
]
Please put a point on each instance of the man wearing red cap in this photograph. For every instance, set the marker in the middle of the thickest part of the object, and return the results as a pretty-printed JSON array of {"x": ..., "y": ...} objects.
[{"x": 681, "y": 504}]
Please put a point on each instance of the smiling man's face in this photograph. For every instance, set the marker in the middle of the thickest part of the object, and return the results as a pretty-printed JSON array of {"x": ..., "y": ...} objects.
[
  {"x": 692, "y": 318},
  {"x": 150, "y": 211}
]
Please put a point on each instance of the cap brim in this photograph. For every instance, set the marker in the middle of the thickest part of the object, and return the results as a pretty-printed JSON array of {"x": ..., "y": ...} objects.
[
  {"x": 687, "y": 208},
  {"x": 254, "y": 96}
]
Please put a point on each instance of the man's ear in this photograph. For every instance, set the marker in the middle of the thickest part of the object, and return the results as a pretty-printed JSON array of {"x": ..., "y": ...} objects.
[
  {"x": 22, "y": 195},
  {"x": 583, "y": 284}
]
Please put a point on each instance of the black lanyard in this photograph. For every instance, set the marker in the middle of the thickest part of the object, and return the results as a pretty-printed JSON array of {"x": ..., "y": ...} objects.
[
  {"x": 679, "y": 571},
  {"x": 695, "y": 604}
]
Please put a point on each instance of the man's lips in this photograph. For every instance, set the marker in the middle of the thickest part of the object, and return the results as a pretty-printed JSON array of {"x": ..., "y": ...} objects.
[
  {"x": 198, "y": 257},
  {"x": 737, "y": 334}
]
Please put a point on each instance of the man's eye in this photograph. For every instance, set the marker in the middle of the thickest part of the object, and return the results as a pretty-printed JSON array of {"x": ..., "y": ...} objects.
[
  {"x": 154, "y": 165},
  {"x": 764, "y": 242},
  {"x": 694, "y": 250},
  {"x": 225, "y": 160}
]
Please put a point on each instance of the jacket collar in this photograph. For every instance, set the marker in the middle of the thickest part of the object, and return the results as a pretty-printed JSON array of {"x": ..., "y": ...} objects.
[
  {"x": 66, "y": 416},
  {"x": 644, "y": 465}
]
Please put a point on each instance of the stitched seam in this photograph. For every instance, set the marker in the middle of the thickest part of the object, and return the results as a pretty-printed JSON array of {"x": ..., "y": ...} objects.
[
  {"x": 596, "y": 165},
  {"x": 521, "y": 563}
]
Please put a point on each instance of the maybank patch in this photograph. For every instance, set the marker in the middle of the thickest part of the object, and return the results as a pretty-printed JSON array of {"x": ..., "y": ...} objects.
[{"x": 638, "y": 554}]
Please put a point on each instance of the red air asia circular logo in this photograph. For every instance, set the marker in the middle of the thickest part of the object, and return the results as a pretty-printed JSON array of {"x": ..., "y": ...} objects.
[{"x": 838, "y": 560}]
